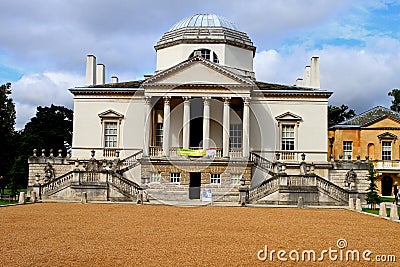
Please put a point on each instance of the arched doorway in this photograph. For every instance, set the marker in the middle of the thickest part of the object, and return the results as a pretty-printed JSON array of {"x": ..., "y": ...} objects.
[{"x": 387, "y": 183}]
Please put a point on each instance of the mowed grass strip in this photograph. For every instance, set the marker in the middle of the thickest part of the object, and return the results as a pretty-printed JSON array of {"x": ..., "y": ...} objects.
[{"x": 58, "y": 234}]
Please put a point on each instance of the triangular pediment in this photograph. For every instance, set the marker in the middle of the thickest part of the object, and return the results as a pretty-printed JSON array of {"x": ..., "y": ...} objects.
[
  {"x": 288, "y": 116},
  {"x": 110, "y": 114},
  {"x": 384, "y": 122},
  {"x": 197, "y": 70}
]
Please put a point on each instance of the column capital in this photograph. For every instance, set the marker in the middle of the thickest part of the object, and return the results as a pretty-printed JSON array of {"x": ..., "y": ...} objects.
[
  {"x": 246, "y": 100},
  {"x": 206, "y": 100},
  {"x": 147, "y": 100},
  {"x": 186, "y": 99},
  {"x": 166, "y": 99},
  {"x": 227, "y": 100}
]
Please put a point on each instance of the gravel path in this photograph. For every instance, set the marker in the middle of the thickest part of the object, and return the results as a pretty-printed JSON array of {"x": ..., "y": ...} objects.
[{"x": 58, "y": 234}]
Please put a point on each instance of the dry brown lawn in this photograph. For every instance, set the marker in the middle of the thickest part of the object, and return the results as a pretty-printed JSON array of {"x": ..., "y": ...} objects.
[{"x": 130, "y": 235}]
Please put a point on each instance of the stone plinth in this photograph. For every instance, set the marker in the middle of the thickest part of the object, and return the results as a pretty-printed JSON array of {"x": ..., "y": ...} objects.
[
  {"x": 21, "y": 199},
  {"x": 358, "y": 205},
  {"x": 394, "y": 212},
  {"x": 382, "y": 210}
]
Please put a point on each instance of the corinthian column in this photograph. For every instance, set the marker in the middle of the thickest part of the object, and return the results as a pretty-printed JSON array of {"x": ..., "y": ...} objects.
[
  {"x": 147, "y": 122},
  {"x": 206, "y": 121},
  {"x": 186, "y": 121},
  {"x": 246, "y": 127},
  {"x": 167, "y": 110},
  {"x": 225, "y": 130}
]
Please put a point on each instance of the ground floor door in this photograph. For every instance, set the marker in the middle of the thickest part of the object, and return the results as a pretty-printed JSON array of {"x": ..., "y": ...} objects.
[
  {"x": 387, "y": 186},
  {"x": 194, "y": 185}
]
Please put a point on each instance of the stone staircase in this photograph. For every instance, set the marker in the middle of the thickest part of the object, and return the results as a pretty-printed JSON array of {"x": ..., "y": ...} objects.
[
  {"x": 262, "y": 163},
  {"x": 281, "y": 188},
  {"x": 99, "y": 182},
  {"x": 129, "y": 162}
]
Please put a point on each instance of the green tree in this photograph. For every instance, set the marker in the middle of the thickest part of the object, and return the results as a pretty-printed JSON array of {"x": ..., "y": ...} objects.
[
  {"x": 51, "y": 128},
  {"x": 7, "y": 123},
  {"x": 396, "y": 99},
  {"x": 372, "y": 191},
  {"x": 339, "y": 114}
]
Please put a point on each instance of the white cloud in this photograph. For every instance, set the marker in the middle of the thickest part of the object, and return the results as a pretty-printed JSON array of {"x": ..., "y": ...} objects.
[
  {"x": 42, "y": 89},
  {"x": 359, "y": 77}
]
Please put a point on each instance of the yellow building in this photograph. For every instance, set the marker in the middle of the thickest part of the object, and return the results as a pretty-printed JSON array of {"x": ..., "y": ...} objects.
[{"x": 372, "y": 135}]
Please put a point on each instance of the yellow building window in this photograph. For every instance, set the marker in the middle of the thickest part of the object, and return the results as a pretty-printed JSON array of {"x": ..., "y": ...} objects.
[
  {"x": 347, "y": 149},
  {"x": 386, "y": 150}
]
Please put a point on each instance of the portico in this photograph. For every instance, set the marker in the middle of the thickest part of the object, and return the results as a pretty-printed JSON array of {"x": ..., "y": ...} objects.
[{"x": 206, "y": 123}]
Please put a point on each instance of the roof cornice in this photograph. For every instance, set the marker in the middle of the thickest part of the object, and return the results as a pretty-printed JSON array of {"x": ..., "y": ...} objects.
[{"x": 106, "y": 91}]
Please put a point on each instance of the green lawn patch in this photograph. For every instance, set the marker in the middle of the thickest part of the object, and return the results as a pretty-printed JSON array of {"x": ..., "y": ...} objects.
[
  {"x": 387, "y": 199},
  {"x": 376, "y": 211},
  {"x": 6, "y": 202}
]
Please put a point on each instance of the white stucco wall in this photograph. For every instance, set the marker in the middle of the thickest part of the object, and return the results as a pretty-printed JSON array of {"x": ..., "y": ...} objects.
[
  {"x": 312, "y": 131},
  {"x": 88, "y": 129},
  {"x": 228, "y": 55}
]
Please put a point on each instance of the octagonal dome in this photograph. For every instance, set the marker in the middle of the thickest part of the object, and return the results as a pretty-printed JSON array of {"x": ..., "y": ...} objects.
[
  {"x": 205, "y": 20},
  {"x": 205, "y": 28}
]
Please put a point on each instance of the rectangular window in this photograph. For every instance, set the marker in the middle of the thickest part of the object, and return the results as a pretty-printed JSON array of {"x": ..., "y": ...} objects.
[
  {"x": 386, "y": 150},
  {"x": 235, "y": 179},
  {"x": 287, "y": 137},
  {"x": 110, "y": 134},
  {"x": 347, "y": 149},
  {"x": 235, "y": 136},
  {"x": 159, "y": 134},
  {"x": 215, "y": 178},
  {"x": 175, "y": 177},
  {"x": 155, "y": 177}
]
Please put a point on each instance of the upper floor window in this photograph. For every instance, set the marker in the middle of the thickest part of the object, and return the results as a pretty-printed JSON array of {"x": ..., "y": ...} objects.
[
  {"x": 159, "y": 134},
  {"x": 111, "y": 121},
  {"x": 205, "y": 53},
  {"x": 386, "y": 150},
  {"x": 288, "y": 127},
  {"x": 215, "y": 58},
  {"x": 235, "y": 135},
  {"x": 347, "y": 149},
  {"x": 287, "y": 137},
  {"x": 110, "y": 134}
]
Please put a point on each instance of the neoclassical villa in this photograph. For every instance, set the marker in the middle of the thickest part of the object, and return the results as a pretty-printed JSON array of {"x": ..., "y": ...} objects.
[{"x": 201, "y": 127}]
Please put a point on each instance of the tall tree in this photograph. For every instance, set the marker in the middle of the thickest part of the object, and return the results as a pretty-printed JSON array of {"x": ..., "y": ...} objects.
[
  {"x": 396, "y": 99},
  {"x": 372, "y": 191},
  {"x": 339, "y": 114},
  {"x": 7, "y": 122},
  {"x": 51, "y": 128}
]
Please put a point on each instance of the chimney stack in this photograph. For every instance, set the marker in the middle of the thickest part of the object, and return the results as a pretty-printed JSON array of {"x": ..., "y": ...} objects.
[
  {"x": 90, "y": 70},
  {"x": 114, "y": 79},
  {"x": 307, "y": 76},
  {"x": 101, "y": 74},
  {"x": 299, "y": 82},
  {"x": 315, "y": 81}
]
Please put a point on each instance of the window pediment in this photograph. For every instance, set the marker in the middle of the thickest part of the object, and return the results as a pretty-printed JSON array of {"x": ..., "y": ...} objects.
[
  {"x": 288, "y": 116},
  {"x": 387, "y": 136},
  {"x": 111, "y": 114}
]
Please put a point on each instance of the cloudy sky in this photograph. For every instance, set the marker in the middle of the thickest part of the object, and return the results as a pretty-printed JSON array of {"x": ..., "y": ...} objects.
[{"x": 45, "y": 42}]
